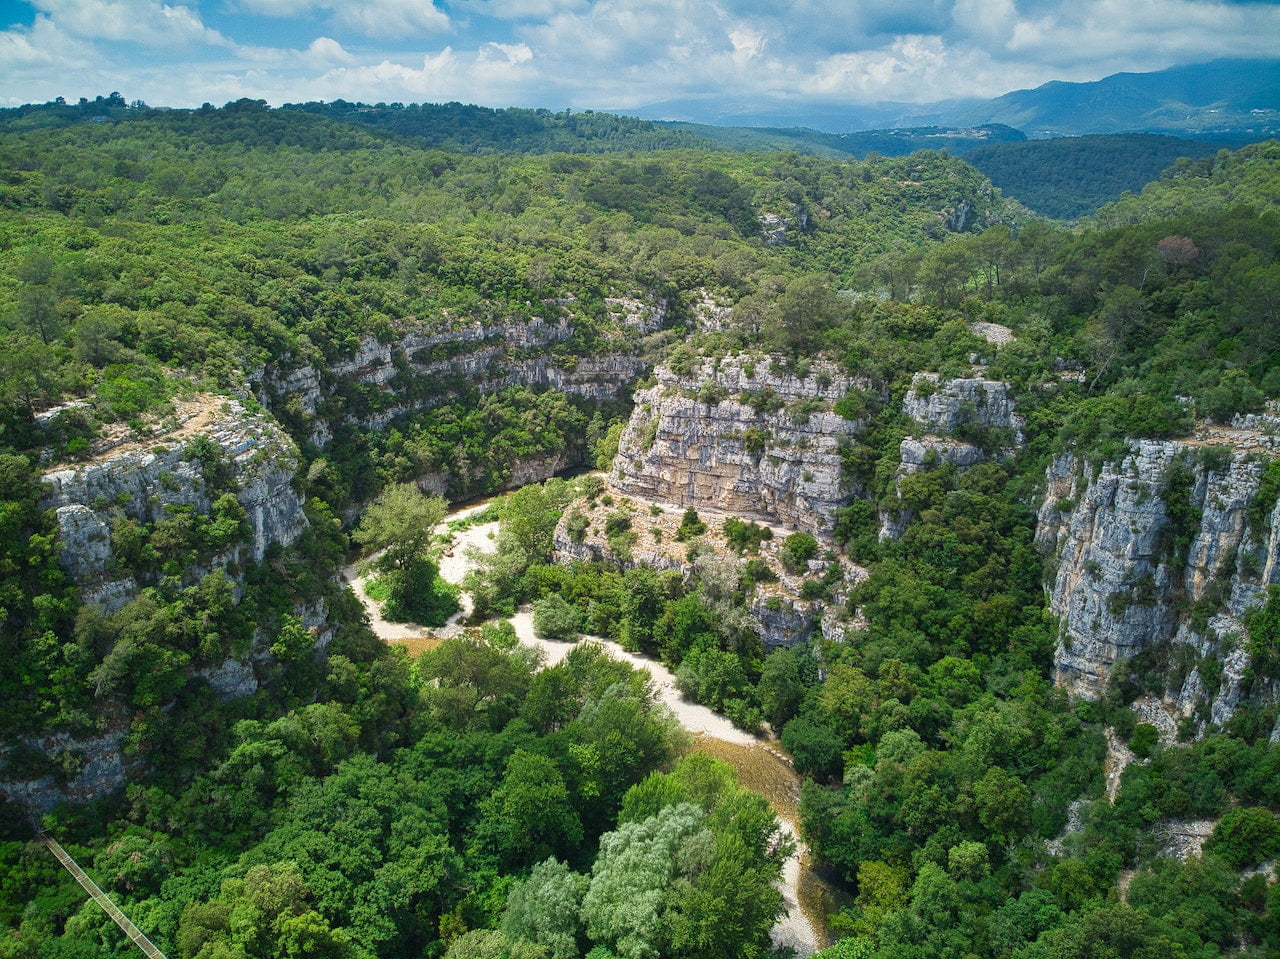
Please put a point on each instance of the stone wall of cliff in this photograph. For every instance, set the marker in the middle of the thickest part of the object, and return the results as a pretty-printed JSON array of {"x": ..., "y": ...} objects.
[
  {"x": 960, "y": 421},
  {"x": 746, "y": 435},
  {"x": 428, "y": 363},
  {"x": 781, "y": 613},
  {"x": 146, "y": 480},
  {"x": 213, "y": 447},
  {"x": 1159, "y": 554}
]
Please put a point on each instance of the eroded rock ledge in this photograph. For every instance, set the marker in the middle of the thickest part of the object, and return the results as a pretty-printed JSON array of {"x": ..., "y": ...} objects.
[{"x": 145, "y": 483}]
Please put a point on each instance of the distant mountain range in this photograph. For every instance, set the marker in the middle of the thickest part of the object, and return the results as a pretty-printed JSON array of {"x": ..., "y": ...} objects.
[
  {"x": 1236, "y": 100},
  {"x": 1226, "y": 99}
]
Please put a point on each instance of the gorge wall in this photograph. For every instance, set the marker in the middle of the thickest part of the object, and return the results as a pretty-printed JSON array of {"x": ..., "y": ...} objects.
[
  {"x": 1158, "y": 555},
  {"x": 217, "y": 446},
  {"x": 961, "y": 421},
  {"x": 429, "y": 363},
  {"x": 214, "y": 448}
]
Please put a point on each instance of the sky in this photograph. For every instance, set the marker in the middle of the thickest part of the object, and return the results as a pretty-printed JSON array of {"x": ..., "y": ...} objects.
[{"x": 670, "y": 59}]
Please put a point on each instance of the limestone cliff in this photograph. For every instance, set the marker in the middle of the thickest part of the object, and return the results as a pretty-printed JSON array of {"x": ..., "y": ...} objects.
[
  {"x": 212, "y": 448},
  {"x": 431, "y": 361},
  {"x": 780, "y": 610},
  {"x": 1156, "y": 554},
  {"x": 175, "y": 468},
  {"x": 747, "y": 435},
  {"x": 962, "y": 407}
]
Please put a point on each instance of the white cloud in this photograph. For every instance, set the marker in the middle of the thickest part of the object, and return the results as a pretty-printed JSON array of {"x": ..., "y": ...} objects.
[
  {"x": 991, "y": 21},
  {"x": 612, "y": 54},
  {"x": 147, "y": 22},
  {"x": 522, "y": 9},
  {"x": 277, "y": 8},
  {"x": 747, "y": 45},
  {"x": 373, "y": 18},
  {"x": 325, "y": 51},
  {"x": 513, "y": 52},
  {"x": 390, "y": 18},
  {"x": 44, "y": 43},
  {"x": 37, "y": 65}
]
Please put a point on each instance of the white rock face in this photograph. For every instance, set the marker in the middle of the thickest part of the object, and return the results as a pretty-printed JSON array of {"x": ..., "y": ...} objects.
[
  {"x": 947, "y": 408},
  {"x": 1118, "y": 587},
  {"x": 778, "y": 611},
  {"x": 693, "y": 441},
  {"x": 105, "y": 769},
  {"x": 144, "y": 483}
]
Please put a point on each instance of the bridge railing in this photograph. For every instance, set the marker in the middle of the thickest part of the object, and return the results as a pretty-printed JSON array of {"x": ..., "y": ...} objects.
[{"x": 133, "y": 932}]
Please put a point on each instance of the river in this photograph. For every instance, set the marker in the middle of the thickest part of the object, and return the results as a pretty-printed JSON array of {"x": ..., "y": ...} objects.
[{"x": 760, "y": 764}]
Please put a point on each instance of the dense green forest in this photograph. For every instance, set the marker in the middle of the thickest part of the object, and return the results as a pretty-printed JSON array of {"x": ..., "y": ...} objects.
[
  {"x": 859, "y": 144},
  {"x": 1073, "y": 176},
  {"x": 472, "y": 129},
  {"x": 468, "y": 804}
]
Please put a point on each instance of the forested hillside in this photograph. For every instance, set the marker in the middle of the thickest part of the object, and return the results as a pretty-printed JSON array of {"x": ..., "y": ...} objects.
[
  {"x": 1071, "y": 177},
  {"x": 356, "y": 311},
  {"x": 886, "y": 142},
  {"x": 473, "y": 129}
]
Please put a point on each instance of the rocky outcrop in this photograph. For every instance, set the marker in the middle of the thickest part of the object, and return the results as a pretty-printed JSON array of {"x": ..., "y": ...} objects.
[
  {"x": 962, "y": 407},
  {"x": 746, "y": 435},
  {"x": 221, "y": 447},
  {"x": 776, "y": 227},
  {"x": 961, "y": 422},
  {"x": 1157, "y": 552},
  {"x": 101, "y": 765},
  {"x": 216, "y": 447},
  {"x": 781, "y": 611}
]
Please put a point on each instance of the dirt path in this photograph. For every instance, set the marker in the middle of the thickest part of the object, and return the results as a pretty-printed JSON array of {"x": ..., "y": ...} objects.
[{"x": 712, "y": 732}]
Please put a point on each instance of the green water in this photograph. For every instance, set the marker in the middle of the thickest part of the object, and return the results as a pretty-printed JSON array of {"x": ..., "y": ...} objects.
[{"x": 762, "y": 768}]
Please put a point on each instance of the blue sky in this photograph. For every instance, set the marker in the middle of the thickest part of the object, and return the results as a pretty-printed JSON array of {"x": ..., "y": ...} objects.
[{"x": 684, "y": 59}]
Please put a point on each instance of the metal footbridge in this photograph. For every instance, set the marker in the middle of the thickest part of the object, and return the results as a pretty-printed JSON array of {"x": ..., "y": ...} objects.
[{"x": 133, "y": 932}]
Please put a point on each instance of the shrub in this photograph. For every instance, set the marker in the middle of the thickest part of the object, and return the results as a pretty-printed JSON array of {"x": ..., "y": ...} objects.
[
  {"x": 1144, "y": 740},
  {"x": 554, "y": 617},
  {"x": 690, "y": 526},
  {"x": 1245, "y": 837},
  {"x": 817, "y": 751},
  {"x": 854, "y": 405},
  {"x": 797, "y": 550},
  {"x": 745, "y": 537},
  {"x": 576, "y": 526},
  {"x": 415, "y": 593}
]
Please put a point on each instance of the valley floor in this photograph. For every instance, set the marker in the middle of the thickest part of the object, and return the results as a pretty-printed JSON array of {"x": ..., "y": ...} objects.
[{"x": 801, "y": 927}]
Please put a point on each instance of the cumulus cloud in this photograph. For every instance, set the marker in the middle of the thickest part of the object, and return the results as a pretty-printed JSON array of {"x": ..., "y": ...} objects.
[
  {"x": 325, "y": 51},
  {"x": 487, "y": 76},
  {"x": 147, "y": 22},
  {"x": 391, "y": 18},
  {"x": 36, "y": 63},
  {"x": 374, "y": 18},
  {"x": 521, "y": 9}
]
